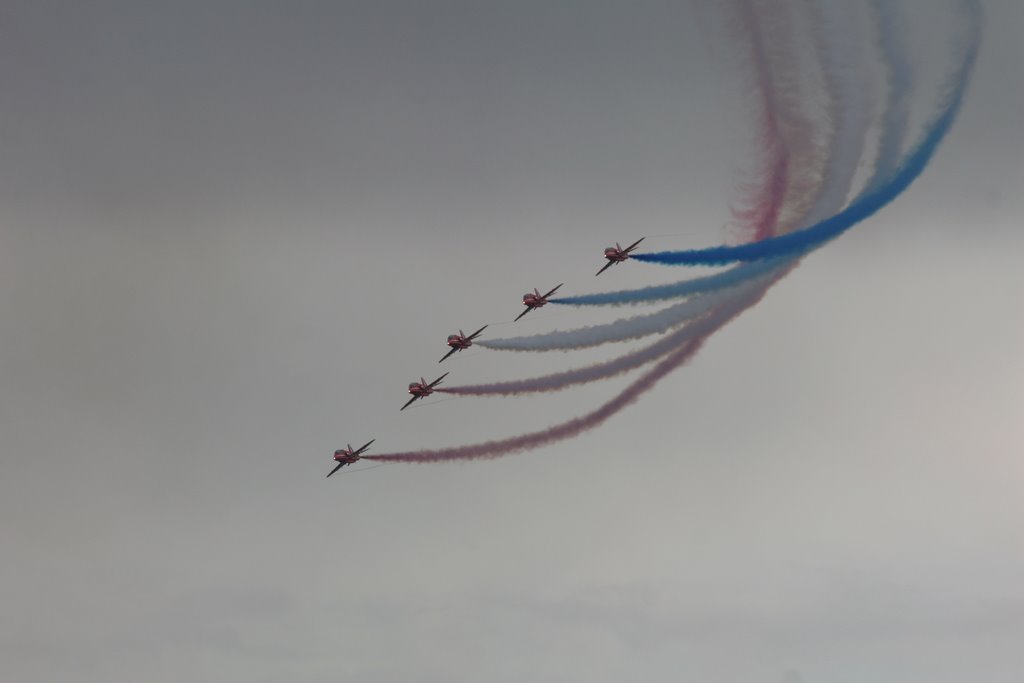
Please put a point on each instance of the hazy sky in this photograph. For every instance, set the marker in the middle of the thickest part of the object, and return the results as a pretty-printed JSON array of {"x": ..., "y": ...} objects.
[{"x": 232, "y": 232}]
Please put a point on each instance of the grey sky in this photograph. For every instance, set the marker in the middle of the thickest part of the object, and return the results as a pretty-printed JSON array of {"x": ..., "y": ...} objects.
[{"x": 230, "y": 234}]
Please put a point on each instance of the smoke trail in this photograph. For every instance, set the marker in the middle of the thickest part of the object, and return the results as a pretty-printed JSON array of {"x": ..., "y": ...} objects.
[
  {"x": 848, "y": 109},
  {"x": 842, "y": 153},
  {"x": 566, "y": 430},
  {"x": 827, "y": 174},
  {"x": 778, "y": 189},
  {"x": 625, "y": 329},
  {"x": 569, "y": 429},
  {"x": 889, "y": 27},
  {"x": 770, "y": 188},
  {"x": 562, "y": 380},
  {"x": 576, "y": 426},
  {"x": 675, "y": 290},
  {"x": 865, "y": 206},
  {"x": 796, "y": 132},
  {"x": 846, "y": 148},
  {"x": 764, "y": 212}
]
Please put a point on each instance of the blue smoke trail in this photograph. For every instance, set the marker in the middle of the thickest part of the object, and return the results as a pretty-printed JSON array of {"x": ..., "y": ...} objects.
[
  {"x": 830, "y": 228},
  {"x": 727, "y": 278},
  {"x": 625, "y": 329},
  {"x": 800, "y": 243}
]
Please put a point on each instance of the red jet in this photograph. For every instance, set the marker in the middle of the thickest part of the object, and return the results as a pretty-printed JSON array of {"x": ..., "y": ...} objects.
[
  {"x": 617, "y": 254},
  {"x": 421, "y": 389},
  {"x": 347, "y": 456},
  {"x": 461, "y": 341},
  {"x": 535, "y": 300}
]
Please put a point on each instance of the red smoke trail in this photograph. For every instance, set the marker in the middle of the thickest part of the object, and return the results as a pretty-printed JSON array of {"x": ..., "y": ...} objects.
[
  {"x": 771, "y": 194},
  {"x": 695, "y": 329},
  {"x": 576, "y": 426},
  {"x": 566, "y": 430},
  {"x": 770, "y": 190}
]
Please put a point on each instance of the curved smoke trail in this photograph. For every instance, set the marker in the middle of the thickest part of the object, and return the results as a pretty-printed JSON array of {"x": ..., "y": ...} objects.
[
  {"x": 566, "y": 430},
  {"x": 797, "y": 133},
  {"x": 848, "y": 110},
  {"x": 774, "y": 195},
  {"x": 675, "y": 290},
  {"x": 625, "y": 329},
  {"x": 769, "y": 190},
  {"x": 696, "y": 329},
  {"x": 889, "y": 28},
  {"x": 850, "y": 116},
  {"x": 865, "y": 205},
  {"x": 832, "y": 227}
]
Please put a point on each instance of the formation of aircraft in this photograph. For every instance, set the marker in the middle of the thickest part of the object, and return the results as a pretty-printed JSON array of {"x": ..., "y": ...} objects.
[
  {"x": 535, "y": 299},
  {"x": 617, "y": 254},
  {"x": 347, "y": 456},
  {"x": 421, "y": 389},
  {"x": 461, "y": 341}
]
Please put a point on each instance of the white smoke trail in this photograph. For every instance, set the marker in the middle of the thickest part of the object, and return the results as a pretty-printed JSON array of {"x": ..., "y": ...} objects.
[
  {"x": 562, "y": 380},
  {"x": 849, "y": 105},
  {"x": 890, "y": 31},
  {"x": 625, "y": 329},
  {"x": 916, "y": 160}
]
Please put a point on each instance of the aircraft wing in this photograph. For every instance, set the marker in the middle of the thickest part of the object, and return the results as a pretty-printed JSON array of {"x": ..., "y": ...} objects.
[
  {"x": 633, "y": 246},
  {"x": 438, "y": 380},
  {"x": 553, "y": 291},
  {"x": 364, "y": 447},
  {"x": 340, "y": 465},
  {"x": 473, "y": 336},
  {"x": 407, "y": 403},
  {"x": 450, "y": 352},
  {"x": 606, "y": 267},
  {"x": 528, "y": 309}
]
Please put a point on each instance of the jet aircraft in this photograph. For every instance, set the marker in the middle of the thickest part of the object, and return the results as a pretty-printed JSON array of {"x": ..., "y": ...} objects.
[
  {"x": 347, "y": 456},
  {"x": 534, "y": 300},
  {"x": 617, "y": 254},
  {"x": 460, "y": 341},
  {"x": 421, "y": 389}
]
